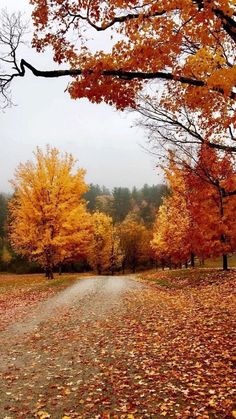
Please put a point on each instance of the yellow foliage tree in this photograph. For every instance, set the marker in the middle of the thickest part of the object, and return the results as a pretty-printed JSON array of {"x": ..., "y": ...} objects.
[
  {"x": 105, "y": 253},
  {"x": 49, "y": 221},
  {"x": 134, "y": 242},
  {"x": 171, "y": 232}
]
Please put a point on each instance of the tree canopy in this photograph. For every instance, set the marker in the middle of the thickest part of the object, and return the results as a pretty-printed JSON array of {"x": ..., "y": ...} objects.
[
  {"x": 189, "y": 44},
  {"x": 49, "y": 220}
]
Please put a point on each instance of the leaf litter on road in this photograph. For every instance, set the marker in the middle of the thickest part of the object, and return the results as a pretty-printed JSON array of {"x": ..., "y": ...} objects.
[{"x": 143, "y": 351}]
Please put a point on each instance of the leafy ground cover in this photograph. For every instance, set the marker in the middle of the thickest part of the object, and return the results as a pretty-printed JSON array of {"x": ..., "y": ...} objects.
[
  {"x": 162, "y": 348},
  {"x": 21, "y": 293}
]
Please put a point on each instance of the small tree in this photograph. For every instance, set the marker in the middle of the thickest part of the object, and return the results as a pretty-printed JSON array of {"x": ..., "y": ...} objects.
[
  {"x": 49, "y": 221},
  {"x": 105, "y": 251},
  {"x": 133, "y": 238}
]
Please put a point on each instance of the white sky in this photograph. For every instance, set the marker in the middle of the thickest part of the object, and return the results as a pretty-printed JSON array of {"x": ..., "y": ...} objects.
[{"x": 97, "y": 135}]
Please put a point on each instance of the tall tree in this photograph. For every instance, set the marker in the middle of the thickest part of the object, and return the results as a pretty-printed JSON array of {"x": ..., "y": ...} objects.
[
  {"x": 121, "y": 204},
  {"x": 49, "y": 220},
  {"x": 196, "y": 218},
  {"x": 211, "y": 207}
]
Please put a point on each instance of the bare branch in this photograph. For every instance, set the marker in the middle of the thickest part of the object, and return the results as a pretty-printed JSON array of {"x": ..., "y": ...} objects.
[
  {"x": 179, "y": 128},
  {"x": 116, "y": 19},
  {"x": 12, "y": 32}
]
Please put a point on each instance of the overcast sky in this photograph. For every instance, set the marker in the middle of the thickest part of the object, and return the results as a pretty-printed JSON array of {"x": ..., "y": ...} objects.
[{"x": 97, "y": 135}]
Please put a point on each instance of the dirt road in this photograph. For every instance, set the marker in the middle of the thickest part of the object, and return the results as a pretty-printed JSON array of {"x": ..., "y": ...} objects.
[
  {"x": 52, "y": 362},
  {"x": 111, "y": 347}
]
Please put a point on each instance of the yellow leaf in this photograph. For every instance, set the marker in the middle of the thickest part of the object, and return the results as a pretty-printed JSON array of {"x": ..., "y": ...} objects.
[
  {"x": 212, "y": 402},
  {"x": 67, "y": 391},
  {"x": 42, "y": 414}
]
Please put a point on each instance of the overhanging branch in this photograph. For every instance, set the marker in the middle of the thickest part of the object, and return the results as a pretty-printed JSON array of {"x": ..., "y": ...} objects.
[{"x": 122, "y": 74}]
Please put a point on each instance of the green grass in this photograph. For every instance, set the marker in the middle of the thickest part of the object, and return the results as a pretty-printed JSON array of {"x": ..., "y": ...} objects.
[{"x": 217, "y": 262}]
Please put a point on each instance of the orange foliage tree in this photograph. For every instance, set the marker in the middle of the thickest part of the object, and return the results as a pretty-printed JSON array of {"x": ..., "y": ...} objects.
[
  {"x": 188, "y": 44},
  {"x": 49, "y": 221},
  {"x": 197, "y": 218},
  {"x": 211, "y": 207}
]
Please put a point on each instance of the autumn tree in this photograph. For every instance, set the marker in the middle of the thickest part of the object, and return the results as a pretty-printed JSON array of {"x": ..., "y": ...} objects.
[
  {"x": 172, "y": 232},
  {"x": 196, "y": 218},
  {"x": 135, "y": 242},
  {"x": 189, "y": 45},
  {"x": 49, "y": 220},
  {"x": 121, "y": 203},
  {"x": 116, "y": 253},
  {"x": 93, "y": 193},
  {"x": 211, "y": 206},
  {"x": 105, "y": 253},
  {"x": 105, "y": 204}
]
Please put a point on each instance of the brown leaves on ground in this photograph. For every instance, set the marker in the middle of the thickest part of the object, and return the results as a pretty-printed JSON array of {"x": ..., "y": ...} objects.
[
  {"x": 19, "y": 294},
  {"x": 151, "y": 352}
]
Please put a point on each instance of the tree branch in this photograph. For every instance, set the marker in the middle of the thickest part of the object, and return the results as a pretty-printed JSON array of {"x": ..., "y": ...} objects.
[
  {"x": 122, "y": 74},
  {"x": 177, "y": 129},
  {"x": 116, "y": 19},
  {"x": 228, "y": 23}
]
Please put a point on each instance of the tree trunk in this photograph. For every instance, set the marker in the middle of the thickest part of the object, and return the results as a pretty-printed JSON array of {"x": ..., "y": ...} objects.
[
  {"x": 186, "y": 264},
  {"x": 223, "y": 237},
  {"x": 49, "y": 273},
  {"x": 192, "y": 260},
  {"x": 225, "y": 262},
  {"x": 60, "y": 270},
  {"x": 123, "y": 268},
  {"x": 202, "y": 261}
]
